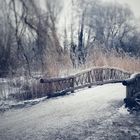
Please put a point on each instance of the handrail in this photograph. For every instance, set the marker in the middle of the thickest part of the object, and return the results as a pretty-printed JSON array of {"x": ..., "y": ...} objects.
[
  {"x": 54, "y": 79},
  {"x": 96, "y": 76}
]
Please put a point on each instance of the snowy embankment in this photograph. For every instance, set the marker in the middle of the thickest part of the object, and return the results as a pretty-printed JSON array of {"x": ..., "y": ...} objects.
[{"x": 89, "y": 114}]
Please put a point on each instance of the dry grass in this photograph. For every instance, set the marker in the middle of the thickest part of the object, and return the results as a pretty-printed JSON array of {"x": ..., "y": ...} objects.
[
  {"x": 56, "y": 65},
  {"x": 112, "y": 58},
  {"x": 99, "y": 57}
]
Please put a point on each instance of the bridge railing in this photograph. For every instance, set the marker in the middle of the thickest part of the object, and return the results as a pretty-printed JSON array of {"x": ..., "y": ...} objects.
[{"x": 96, "y": 76}]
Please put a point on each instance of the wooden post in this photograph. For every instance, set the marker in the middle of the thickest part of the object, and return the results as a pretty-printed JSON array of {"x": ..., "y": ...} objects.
[
  {"x": 89, "y": 79},
  {"x": 50, "y": 89},
  {"x": 72, "y": 84}
]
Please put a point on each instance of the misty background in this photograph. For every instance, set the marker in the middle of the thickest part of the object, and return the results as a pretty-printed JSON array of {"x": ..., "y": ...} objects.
[
  {"x": 56, "y": 37},
  {"x": 50, "y": 48}
]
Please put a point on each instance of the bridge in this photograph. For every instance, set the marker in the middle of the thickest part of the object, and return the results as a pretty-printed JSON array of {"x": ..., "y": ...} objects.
[
  {"x": 65, "y": 85},
  {"x": 96, "y": 76},
  {"x": 92, "y": 113}
]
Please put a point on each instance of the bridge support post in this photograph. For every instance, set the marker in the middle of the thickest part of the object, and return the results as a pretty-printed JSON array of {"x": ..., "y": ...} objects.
[
  {"x": 50, "y": 90},
  {"x": 72, "y": 84},
  {"x": 89, "y": 79}
]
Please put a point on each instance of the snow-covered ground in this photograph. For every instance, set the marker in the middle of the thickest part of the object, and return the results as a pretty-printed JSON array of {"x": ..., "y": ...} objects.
[{"x": 89, "y": 114}]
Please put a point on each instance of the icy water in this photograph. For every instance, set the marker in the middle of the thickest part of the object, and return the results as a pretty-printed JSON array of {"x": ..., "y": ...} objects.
[
  {"x": 89, "y": 114},
  {"x": 3, "y": 88},
  {"x": 6, "y": 88}
]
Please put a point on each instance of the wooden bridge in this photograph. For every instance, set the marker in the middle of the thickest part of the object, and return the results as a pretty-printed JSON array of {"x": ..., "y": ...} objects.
[{"x": 97, "y": 76}]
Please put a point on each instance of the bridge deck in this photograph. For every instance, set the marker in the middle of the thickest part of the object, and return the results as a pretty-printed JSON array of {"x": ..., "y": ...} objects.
[{"x": 94, "y": 113}]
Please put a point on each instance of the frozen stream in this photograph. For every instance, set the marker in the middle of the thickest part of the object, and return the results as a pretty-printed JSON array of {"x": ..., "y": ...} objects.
[{"x": 89, "y": 114}]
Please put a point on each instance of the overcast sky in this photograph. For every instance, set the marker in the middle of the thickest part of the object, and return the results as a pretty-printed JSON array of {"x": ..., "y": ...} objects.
[{"x": 134, "y": 5}]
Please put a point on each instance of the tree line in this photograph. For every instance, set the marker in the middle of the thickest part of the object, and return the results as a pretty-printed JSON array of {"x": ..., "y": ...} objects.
[{"x": 30, "y": 41}]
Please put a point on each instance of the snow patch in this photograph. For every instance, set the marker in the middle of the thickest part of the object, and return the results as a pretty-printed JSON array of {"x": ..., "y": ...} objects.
[
  {"x": 6, "y": 104},
  {"x": 123, "y": 110}
]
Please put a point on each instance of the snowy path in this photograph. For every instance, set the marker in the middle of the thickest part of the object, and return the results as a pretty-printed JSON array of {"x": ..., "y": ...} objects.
[{"x": 91, "y": 114}]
